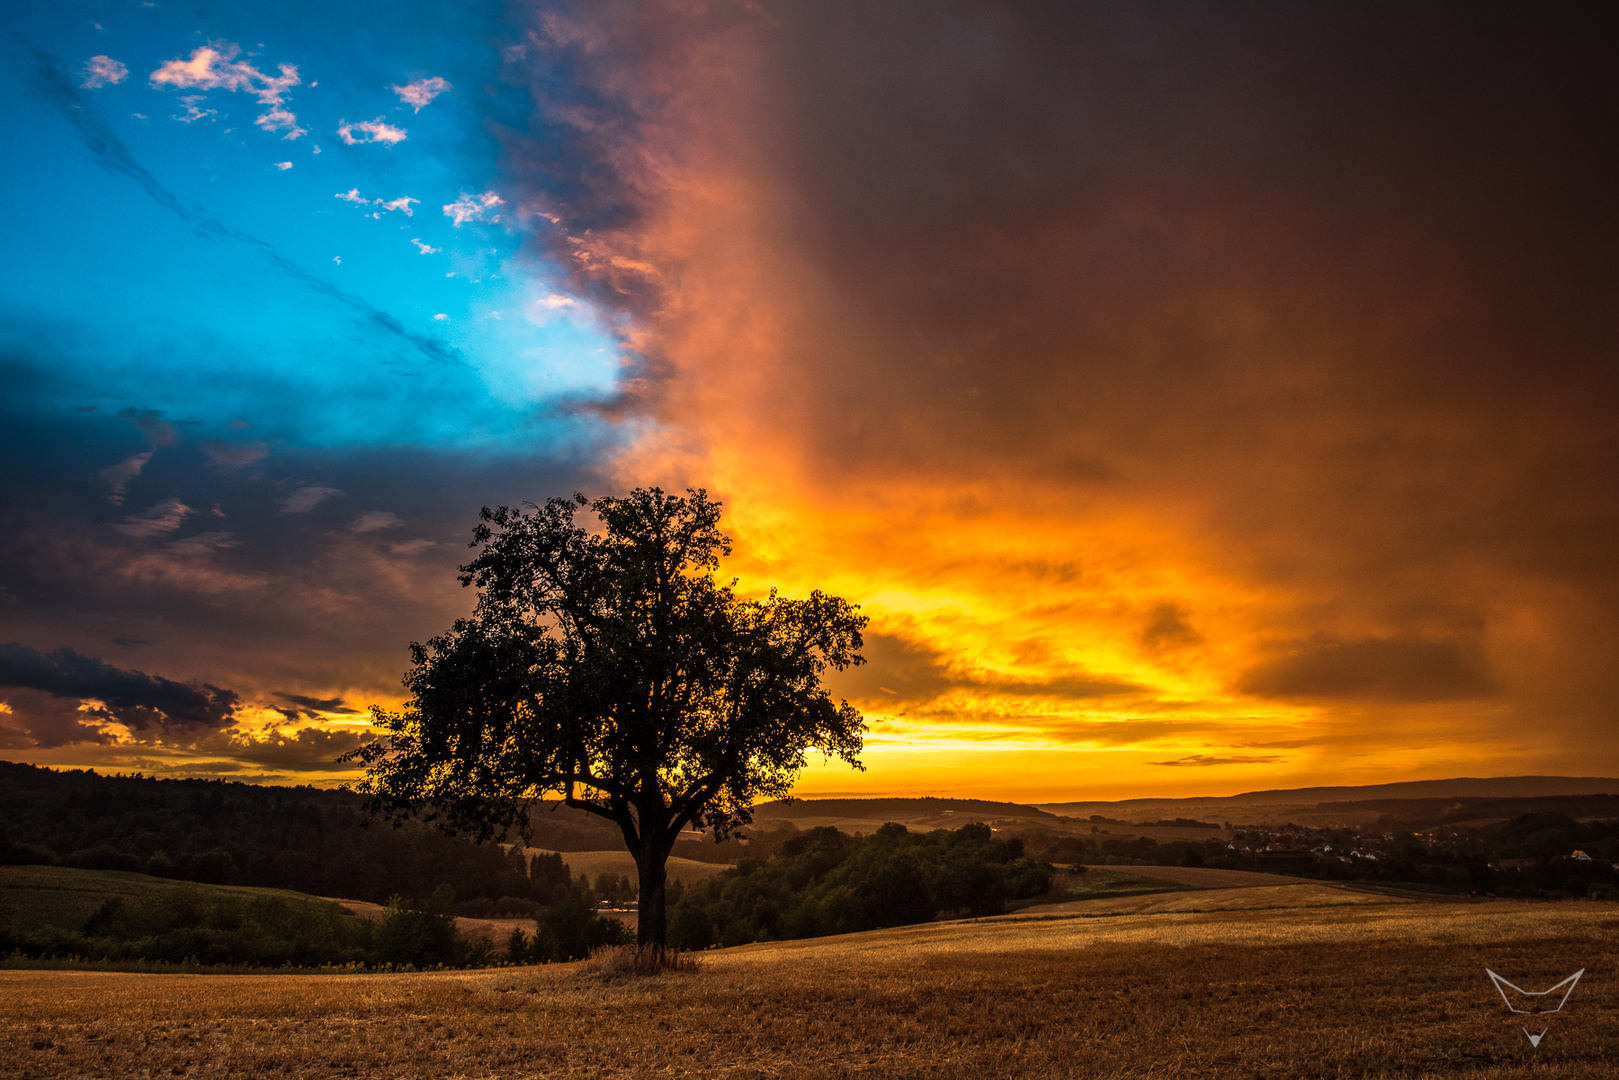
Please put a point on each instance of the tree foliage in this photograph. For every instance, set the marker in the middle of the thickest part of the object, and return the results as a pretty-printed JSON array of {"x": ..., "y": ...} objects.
[
  {"x": 610, "y": 667},
  {"x": 826, "y": 882}
]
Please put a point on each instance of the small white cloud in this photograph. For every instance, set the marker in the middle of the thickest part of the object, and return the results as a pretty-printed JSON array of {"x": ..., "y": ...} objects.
[
  {"x": 421, "y": 91},
  {"x": 102, "y": 70},
  {"x": 194, "y": 110},
  {"x": 370, "y": 131},
  {"x": 338, "y": 259},
  {"x": 117, "y": 477},
  {"x": 425, "y": 248},
  {"x": 283, "y": 165},
  {"x": 214, "y": 67},
  {"x": 410, "y": 547},
  {"x": 441, "y": 317},
  {"x": 352, "y": 195},
  {"x": 165, "y": 517},
  {"x": 279, "y": 119},
  {"x": 472, "y": 208},
  {"x": 494, "y": 315},
  {"x": 556, "y": 300},
  {"x": 307, "y": 498},
  {"x": 375, "y": 521}
]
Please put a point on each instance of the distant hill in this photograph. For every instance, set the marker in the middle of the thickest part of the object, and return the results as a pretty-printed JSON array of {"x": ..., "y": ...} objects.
[
  {"x": 903, "y": 811},
  {"x": 1495, "y": 787}
]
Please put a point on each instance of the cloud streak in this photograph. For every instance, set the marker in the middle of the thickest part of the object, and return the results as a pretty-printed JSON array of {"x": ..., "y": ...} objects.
[{"x": 111, "y": 153}]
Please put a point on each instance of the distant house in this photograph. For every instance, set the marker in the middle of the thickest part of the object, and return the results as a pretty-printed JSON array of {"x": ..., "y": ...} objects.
[
  {"x": 1284, "y": 855},
  {"x": 1513, "y": 864}
]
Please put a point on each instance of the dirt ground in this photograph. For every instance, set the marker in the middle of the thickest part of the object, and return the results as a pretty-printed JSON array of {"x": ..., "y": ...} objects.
[{"x": 1377, "y": 987}]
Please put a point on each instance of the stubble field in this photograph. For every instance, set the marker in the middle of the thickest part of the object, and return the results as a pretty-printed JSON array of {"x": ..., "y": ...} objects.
[{"x": 1374, "y": 988}]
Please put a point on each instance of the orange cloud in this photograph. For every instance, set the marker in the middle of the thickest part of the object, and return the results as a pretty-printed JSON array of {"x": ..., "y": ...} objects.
[{"x": 1154, "y": 418}]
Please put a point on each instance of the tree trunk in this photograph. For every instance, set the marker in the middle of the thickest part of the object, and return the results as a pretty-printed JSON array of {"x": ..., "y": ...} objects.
[{"x": 651, "y": 923}]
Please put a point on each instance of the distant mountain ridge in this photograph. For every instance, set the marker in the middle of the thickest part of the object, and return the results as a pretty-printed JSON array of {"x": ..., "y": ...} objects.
[
  {"x": 932, "y": 812},
  {"x": 1461, "y": 787},
  {"x": 896, "y": 809}
]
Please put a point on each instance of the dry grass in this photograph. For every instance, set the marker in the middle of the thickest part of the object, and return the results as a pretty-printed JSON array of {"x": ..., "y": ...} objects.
[
  {"x": 1295, "y": 894},
  {"x": 1201, "y": 877},
  {"x": 638, "y": 961},
  {"x": 1376, "y": 989}
]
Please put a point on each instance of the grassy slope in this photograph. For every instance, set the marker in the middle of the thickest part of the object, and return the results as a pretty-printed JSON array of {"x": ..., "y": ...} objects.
[
  {"x": 1380, "y": 989},
  {"x": 43, "y": 896}
]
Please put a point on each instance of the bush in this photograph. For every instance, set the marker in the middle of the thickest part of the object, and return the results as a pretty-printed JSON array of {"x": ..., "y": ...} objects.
[
  {"x": 24, "y": 854},
  {"x": 574, "y": 931},
  {"x": 102, "y": 857},
  {"x": 408, "y": 935}
]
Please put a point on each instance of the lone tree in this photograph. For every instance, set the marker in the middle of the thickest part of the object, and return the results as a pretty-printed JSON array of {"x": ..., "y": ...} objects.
[{"x": 610, "y": 668}]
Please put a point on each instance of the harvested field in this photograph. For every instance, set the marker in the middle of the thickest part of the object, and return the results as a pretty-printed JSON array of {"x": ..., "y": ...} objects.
[
  {"x": 1293, "y": 894},
  {"x": 1378, "y": 988},
  {"x": 1203, "y": 877}
]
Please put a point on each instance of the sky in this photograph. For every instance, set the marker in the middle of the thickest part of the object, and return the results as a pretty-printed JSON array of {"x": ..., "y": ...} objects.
[{"x": 1198, "y": 399}]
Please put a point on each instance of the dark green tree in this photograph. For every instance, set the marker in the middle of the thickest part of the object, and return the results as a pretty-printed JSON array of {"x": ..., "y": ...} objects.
[{"x": 610, "y": 668}]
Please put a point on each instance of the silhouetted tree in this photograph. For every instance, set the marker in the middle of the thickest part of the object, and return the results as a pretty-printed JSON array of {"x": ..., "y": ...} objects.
[{"x": 610, "y": 668}]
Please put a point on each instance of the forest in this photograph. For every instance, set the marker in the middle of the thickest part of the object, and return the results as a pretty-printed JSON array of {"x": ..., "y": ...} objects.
[{"x": 307, "y": 839}]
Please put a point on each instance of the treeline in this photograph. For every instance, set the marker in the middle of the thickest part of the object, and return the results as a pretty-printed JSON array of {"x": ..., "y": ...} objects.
[
  {"x": 1532, "y": 855},
  {"x": 306, "y": 839},
  {"x": 192, "y": 925},
  {"x": 1067, "y": 850},
  {"x": 827, "y": 882}
]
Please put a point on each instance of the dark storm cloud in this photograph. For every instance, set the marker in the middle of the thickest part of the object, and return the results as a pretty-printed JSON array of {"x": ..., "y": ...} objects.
[
  {"x": 1325, "y": 290},
  {"x": 1167, "y": 628},
  {"x": 289, "y": 602},
  {"x": 1205, "y": 760},
  {"x": 899, "y": 670},
  {"x": 133, "y": 698},
  {"x": 307, "y": 750},
  {"x": 37, "y": 719},
  {"x": 58, "y": 90},
  {"x": 332, "y": 705},
  {"x": 895, "y": 669},
  {"x": 1387, "y": 669}
]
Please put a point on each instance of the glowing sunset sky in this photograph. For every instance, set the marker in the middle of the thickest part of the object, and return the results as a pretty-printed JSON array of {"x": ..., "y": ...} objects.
[{"x": 1197, "y": 398}]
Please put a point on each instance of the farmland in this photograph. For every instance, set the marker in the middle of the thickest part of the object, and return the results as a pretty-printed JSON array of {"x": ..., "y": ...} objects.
[{"x": 1266, "y": 979}]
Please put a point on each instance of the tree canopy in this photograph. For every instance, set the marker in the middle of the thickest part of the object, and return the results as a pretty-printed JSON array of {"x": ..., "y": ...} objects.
[{"x": 609, "y": 667}]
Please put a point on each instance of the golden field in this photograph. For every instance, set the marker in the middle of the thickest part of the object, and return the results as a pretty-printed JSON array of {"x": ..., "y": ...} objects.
[{"x": 1276, "y": 981}]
